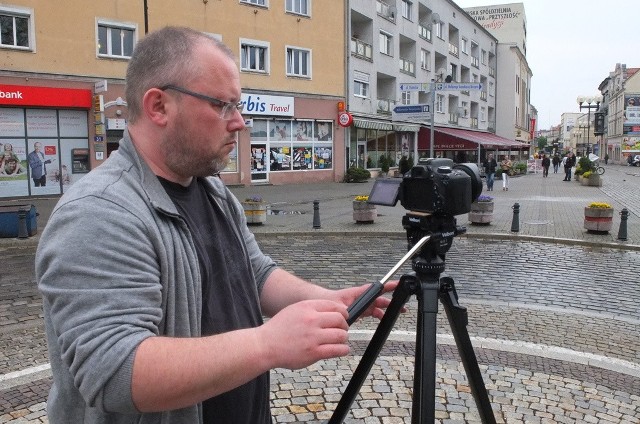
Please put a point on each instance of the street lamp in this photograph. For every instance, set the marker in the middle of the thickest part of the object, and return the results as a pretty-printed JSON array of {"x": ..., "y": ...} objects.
[{"x": 589, "y": 103}]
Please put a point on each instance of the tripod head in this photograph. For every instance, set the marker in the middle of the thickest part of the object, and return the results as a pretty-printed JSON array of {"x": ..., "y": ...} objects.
[{"x": 441, "y": 228}]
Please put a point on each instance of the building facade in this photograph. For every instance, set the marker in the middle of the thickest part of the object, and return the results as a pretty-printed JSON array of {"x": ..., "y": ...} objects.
[
  {"x": 508, "y": 23},
  {"x": 64, "y": 90}
]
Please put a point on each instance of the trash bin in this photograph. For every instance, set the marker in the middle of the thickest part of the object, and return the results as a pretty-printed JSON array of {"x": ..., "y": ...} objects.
[{"x": 10, "y": 220}]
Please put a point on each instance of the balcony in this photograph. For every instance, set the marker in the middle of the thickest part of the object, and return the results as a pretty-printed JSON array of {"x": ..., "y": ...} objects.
[
  {"x": 453, "y": 118},
  {"x": 407, "y": 67},
  {"x": 483, "y": 95},
  {"x": 453, "y": 50},
  {"x": 385, "y": 106},
  {"x": 475, "y": 62},
  {"x": 492, "y": 71},
  {"x": 474, "y": 123},
  {"x": 424, "y": 33},
  {"x": 361, "y": 49},
  {"x": 386, "y": 11}
]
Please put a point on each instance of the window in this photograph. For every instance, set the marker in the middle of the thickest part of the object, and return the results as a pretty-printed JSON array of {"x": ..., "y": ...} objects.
[
  {"x": 254, "y": 56},
  {"x": 115, "y": 39},
  {"x": 464, "y": 46},
  {"x": 406, "y": 97},
  {"x": 256, "y": 2},
  {"x": 298, "y": 62},
  {"x": 15, "y": 28},
  {"x": 483, "y": 116},
  {"x": 439, "y": 103},
  {"x": 300, "y": 7},
  {"x": 406, "y": 10},
  {"x": 425, "y": 60},
  {"x": 465, "y": 109},
  {"x": 483, "y": 57},
  {"x": 385, "y": 43},
  {"x": 491, "y": 88},
  {"x": 360, "y": 88},
  {"x": 438, "y": 28},
  {"x": 517, "y": 84}
]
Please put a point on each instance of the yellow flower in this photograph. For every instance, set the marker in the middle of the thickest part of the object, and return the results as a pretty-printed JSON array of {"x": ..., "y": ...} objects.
[
  {"x": 361, "y": 198},
  {"x": 599, "y": 205}
]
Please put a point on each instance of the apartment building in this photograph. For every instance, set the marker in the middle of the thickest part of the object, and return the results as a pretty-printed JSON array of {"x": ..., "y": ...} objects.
[
  {"x": 508, "y": 23},
  {"x": 62, "y": 84},
  {"x": 397, "y": 51}
]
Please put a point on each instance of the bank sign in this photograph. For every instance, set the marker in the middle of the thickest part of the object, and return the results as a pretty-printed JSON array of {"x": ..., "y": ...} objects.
[
  {"x": 260, "y": 104},
  {"x": 27, "y": 95}
]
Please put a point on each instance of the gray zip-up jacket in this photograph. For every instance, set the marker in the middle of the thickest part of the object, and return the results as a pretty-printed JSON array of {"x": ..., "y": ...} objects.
[{"x": 115, "y": 265}]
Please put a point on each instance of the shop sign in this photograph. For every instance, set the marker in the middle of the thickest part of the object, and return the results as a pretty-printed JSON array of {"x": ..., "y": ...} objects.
[
  {"x": 24, "y": 95},
  {"x": 260, "y": 104}
]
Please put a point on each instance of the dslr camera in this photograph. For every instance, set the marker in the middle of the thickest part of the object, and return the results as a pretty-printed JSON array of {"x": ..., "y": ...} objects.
[{"x": 435, "y": 185}]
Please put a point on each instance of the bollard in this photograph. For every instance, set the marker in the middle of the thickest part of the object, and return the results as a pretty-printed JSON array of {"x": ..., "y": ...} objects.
[
  {"x": 316, "y": 214},
  {"x": 22, "y": 224},
  {"x": 515, "y": 224},
  {"x": 622, "y": 232}
]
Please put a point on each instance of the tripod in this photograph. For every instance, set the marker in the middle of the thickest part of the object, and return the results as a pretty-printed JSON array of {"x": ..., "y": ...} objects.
[{"x": 435, "y": 235}]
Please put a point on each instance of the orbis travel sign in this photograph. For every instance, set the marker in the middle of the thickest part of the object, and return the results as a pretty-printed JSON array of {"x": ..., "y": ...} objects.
[
  {"x": 26, "y": 95},
  {"x": 260, "y": 104}
]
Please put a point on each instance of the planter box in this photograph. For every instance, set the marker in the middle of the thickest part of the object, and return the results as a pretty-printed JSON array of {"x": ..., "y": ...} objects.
[
  {"x": 481, "y": 213},
  {"x": 364, "y": 212},
  {"x": 598, "y": 219},
  {"x": 255, "y": 212}
]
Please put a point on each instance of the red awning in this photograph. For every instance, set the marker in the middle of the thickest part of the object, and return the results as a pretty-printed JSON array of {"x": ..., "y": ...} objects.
[{"x": 459, "y": 139}]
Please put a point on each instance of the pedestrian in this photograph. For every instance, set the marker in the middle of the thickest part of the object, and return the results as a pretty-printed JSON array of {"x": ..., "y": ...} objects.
[
  {"x": 556, "y": 163},
  {"x": 153, "y": 287},
  {"x": 606, "y": 158},
  {"x": 568, "y": 162},
  {"x": 507, "y": 168},
  {"x": 546, "y": 162},
  {"x": 490, "y": 166}
]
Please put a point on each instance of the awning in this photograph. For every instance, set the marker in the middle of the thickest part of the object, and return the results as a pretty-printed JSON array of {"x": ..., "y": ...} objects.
[
  {"x": 459, "y": 139},
  {"x": 406, "y": 127},
  {"x": 372, "y": 125}
]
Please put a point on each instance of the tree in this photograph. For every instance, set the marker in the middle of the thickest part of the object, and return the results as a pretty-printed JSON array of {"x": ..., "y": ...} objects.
[{"x": 542, "y": 142}]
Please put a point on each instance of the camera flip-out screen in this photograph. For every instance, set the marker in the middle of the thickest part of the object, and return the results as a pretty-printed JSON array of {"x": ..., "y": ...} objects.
[{"x": 385, "y": 192}]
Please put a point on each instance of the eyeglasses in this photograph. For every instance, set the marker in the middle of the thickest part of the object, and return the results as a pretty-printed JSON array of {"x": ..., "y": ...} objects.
[{"x": 227, "y": 110}]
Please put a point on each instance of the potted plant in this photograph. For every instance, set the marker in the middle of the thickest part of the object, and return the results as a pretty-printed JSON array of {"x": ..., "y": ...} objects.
[
  {"x": 363, "y": 211},
  {"x": 383, "y": 163},
  {"x": 598, "y": 217},
  {"x": 255, "y": 210},
  {"x": 481, "y": 210},
  {"x": 356, "y": 175}
]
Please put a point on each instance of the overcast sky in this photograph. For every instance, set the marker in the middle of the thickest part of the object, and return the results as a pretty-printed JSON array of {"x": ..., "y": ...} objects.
[{"x": 572, "y": 47}]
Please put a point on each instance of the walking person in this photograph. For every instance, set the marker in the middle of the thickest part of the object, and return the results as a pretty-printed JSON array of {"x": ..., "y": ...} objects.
[
  {"x": 568, "y": 162},
  {"x": 154, "y": 289},
  {"x": 556, "y": 163},
  {"x": 606, "y": 158},
  {"x": 507, "y": 168},
  {"x": 490, "y": 166},
  {"x": 546, "y": 162}
]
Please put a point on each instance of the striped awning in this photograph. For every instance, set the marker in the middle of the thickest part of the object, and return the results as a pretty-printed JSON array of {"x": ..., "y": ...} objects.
[
  {"x": 372, "y": 125},
  {"x": 406, "y": 127}
]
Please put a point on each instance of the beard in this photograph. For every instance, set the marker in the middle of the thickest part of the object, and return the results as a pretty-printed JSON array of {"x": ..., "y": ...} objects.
[{"x": 184, "y": 155}]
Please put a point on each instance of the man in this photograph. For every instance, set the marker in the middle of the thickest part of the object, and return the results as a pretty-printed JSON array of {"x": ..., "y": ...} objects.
[
  {"x": 37, "y": 163},
  {"x": 490, "y": 166},
  {"x": 154, "y": 288},
  {"x": 569, "y": 162},
  {"x": 546, "y": 162}
]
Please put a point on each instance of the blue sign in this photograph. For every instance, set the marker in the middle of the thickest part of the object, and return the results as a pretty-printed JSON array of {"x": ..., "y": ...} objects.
[{"x": 411, "y": 109}]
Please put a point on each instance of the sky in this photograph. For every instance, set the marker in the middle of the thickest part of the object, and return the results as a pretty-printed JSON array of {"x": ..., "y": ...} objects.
[{"x": 572, "y": 45}]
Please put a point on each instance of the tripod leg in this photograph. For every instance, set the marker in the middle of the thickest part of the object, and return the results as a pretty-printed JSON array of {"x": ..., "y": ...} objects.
[
  {"x": 424, "y": 375},
  {"x": 458, "y": 320},
  {"x": 406, "y": 287}
]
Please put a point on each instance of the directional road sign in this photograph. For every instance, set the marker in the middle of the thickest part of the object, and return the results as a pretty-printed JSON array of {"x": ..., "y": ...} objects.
[
  {"x": 414, "y": 113},
  {"x": 458, "y": 86},
  {"x": 414, "y": 86}
]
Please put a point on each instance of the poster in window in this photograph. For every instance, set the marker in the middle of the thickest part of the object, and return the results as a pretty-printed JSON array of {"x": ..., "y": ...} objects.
[
  {"x": 324, "y": 131},
  {"x": 258, "y": 158},
  {"x": 302, "y": 157},
  {"x": 323, "y": 158},
  {"x": 303, "y": 130},
  {"x": 280, "y": 130},
  {"x": 73, "y": 123},
  {"x": 280, "y": 158},
  {"x": 13, "y": 168},
  {"x": 42, "y": 123},
  {"x": 259, "y": 130},
  {"x": 232, "y": 166},
  {"x": 44, "y": 166},
  {"x": 11, "y": 122}
]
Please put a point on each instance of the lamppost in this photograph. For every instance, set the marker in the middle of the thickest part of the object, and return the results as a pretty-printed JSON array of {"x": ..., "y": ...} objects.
[{"x": 589, "y": 103}]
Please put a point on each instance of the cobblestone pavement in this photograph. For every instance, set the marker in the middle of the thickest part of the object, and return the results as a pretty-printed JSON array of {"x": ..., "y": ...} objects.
[{"x": 554, "y": 321}]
